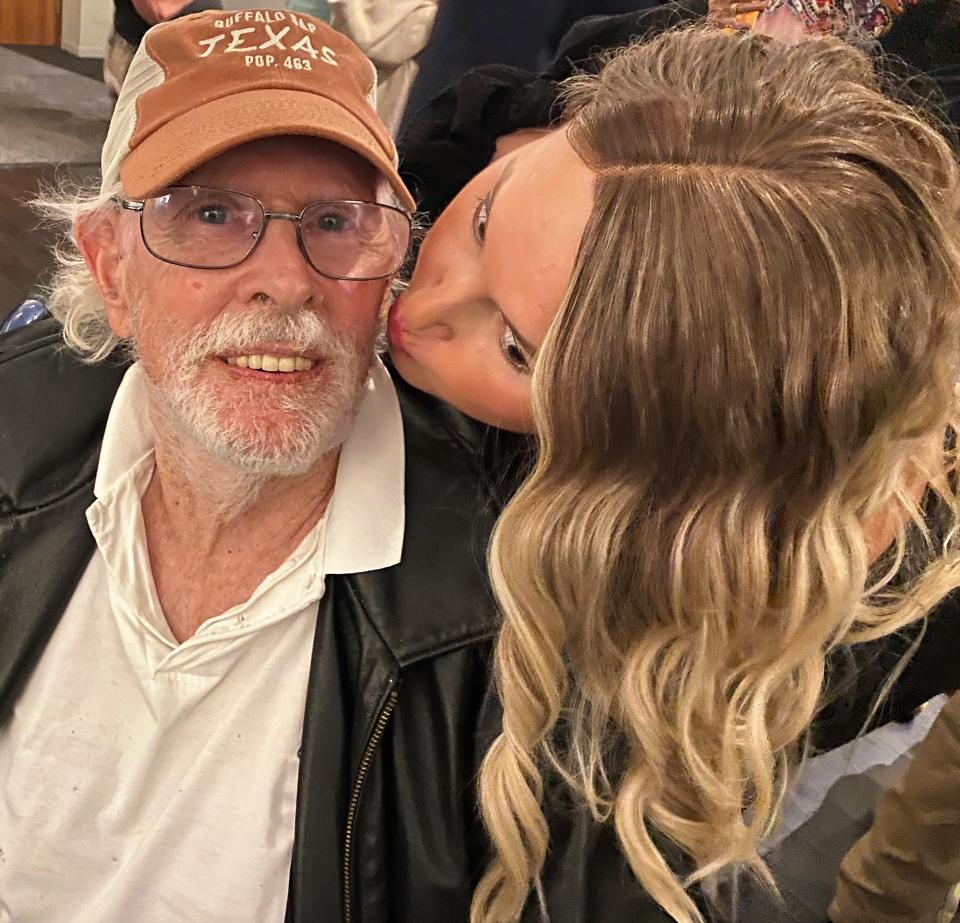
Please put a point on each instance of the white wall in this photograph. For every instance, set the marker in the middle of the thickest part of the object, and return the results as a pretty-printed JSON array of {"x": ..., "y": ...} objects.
[{"x": 86, "y": 25}]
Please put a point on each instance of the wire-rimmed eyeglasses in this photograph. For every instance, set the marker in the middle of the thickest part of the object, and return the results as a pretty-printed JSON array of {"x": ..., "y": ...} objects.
[{"x": 202, "y": 227}]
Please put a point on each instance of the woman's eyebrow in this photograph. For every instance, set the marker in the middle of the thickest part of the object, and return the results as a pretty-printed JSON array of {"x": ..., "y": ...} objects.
[
  {"x": 504, "y": 176},
  {"x": 522, "y": 342}
]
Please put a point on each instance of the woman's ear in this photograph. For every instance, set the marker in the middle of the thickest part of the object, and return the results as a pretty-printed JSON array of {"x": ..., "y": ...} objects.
[
  {"x": 98, "y": 239},
  {"x": 880, "y": 529}
]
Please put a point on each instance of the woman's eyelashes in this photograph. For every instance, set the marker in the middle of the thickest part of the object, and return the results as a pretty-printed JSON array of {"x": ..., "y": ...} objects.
[
  {"x": 480, "y": 216},
  {"x": 512, "y": 351}
]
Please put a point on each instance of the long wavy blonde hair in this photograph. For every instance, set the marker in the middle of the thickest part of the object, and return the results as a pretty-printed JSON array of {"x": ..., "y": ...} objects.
[{"x": 757, "y": 353}]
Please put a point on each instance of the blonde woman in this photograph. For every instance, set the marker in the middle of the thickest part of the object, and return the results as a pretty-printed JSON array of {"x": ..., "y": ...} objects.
[{"x": 725, "y": 294}]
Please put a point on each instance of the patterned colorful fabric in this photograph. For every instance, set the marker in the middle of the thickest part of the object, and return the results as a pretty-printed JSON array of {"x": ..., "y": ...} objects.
[{"x": 838, "y": 17}]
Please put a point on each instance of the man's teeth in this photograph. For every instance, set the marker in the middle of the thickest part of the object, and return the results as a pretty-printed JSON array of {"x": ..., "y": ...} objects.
[{"x": 270, "y": 363}]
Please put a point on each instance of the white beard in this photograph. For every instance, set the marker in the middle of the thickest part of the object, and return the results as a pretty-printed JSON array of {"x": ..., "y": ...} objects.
[{"x": 317, "y": 419}]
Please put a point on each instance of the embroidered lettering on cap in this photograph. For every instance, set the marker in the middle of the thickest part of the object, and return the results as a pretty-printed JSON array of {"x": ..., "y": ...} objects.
[
  {"x": 275, "y": 39},
  {"x": 236, "y": 42},
  {"x": 252, "y": 39},
  {"x": 185, "y": 74},
  {"x": 250, "y": 16},
  {"x": 303, "y": 24}
]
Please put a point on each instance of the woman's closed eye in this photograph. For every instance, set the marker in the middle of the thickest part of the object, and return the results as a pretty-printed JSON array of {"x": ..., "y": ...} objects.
[
  {"x": 480, "y": 216},
  {"x": 512, "y": 351}
]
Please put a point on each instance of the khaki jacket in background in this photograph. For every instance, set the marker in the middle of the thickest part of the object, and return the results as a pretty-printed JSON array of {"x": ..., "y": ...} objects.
[
  {"x": 906, "y": 868},
  {"x": 391, "y": 33}
]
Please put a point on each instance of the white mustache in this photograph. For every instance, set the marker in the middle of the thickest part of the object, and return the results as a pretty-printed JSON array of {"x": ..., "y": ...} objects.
[{"x": 306, "y": 331}]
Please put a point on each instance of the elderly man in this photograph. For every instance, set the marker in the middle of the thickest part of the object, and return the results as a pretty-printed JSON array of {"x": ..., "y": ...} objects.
[{"x": 243, "y": 621}]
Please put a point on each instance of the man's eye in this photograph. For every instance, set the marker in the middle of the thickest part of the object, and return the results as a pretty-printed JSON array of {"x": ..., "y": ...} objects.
[
  {"x": 512, "y": 351},
  {"x": 212, "y": 214},
  {"x": 480, "y": 216},
  {"x": 332, "y": 222}
]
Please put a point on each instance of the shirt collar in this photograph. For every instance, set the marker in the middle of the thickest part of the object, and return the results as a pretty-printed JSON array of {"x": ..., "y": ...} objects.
[
  {"x": 365, "y": 518},
  {"x": 128, "y": 438},
  {"x": 366, "y": 513}
]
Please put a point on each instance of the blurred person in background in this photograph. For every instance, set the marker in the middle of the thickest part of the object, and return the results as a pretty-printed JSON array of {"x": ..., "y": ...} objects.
[
  {"x": 906, "y": 868},
  {"x": 493, "y": 108},
  {"x": 525, "y": 35},
  {"x": 319, "y": 9},
  {"x": 131, "y": 19},
  {"x": 392, "y": 33}
]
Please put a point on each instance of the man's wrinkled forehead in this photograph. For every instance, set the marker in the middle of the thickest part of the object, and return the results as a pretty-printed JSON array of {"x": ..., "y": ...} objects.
[{"x": 292, "y": 167}]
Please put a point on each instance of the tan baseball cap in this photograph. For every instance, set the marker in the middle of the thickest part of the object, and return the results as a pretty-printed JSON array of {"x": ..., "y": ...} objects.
[{"x": 208, "y": 82}]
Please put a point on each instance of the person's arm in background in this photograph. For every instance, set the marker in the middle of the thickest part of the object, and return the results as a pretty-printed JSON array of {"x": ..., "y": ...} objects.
[
  {"x": 906, "y": 868},
  {"x": 154, "y": 11}
]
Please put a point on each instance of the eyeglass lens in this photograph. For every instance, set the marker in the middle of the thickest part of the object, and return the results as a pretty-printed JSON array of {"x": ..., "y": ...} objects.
[{"x": 209, "y": 228}]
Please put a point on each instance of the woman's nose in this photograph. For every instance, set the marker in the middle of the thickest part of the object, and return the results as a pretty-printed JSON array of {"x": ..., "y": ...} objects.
[
  {"x": 439, "y": 309},
  {"x": 426, "y": 318}
]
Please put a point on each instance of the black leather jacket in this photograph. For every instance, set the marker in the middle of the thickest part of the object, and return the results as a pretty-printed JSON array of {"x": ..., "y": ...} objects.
[{"x": 399, "y": 707}]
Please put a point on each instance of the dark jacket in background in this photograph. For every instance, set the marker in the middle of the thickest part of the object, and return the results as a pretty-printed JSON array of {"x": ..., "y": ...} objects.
[{"x": 525, "y": 35}]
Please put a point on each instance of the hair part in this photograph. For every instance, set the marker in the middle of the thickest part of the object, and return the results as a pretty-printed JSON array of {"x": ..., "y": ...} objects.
[{"x": 757, "y": 352}]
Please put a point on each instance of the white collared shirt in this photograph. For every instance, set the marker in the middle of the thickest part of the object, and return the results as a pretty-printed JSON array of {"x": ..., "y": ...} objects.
[{"x": 150, "y": 781}]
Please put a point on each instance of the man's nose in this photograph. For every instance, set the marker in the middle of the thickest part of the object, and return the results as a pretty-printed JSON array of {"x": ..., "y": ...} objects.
[{"x": 278, "y": 269}]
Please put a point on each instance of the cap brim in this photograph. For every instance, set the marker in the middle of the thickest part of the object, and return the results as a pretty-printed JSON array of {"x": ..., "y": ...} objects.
[{"x": 191, "y": 139}]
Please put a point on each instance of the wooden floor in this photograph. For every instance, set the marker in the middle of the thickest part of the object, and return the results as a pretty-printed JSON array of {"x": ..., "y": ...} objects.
[{"x": 24, "y": 247}]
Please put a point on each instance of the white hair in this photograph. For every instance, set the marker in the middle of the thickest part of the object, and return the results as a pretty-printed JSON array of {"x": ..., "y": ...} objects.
[{"x": 71, "y": 295}]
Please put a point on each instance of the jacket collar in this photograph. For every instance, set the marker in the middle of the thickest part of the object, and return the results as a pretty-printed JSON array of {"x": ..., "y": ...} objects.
[{"x": 437, "y": 598}]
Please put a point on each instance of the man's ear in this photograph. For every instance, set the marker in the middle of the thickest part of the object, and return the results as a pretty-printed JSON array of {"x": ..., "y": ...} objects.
[{"x": 98, "y": 239}]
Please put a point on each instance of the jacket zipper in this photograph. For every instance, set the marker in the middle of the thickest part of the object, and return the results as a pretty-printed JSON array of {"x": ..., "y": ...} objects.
[{"x": 379, "y": 727}]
